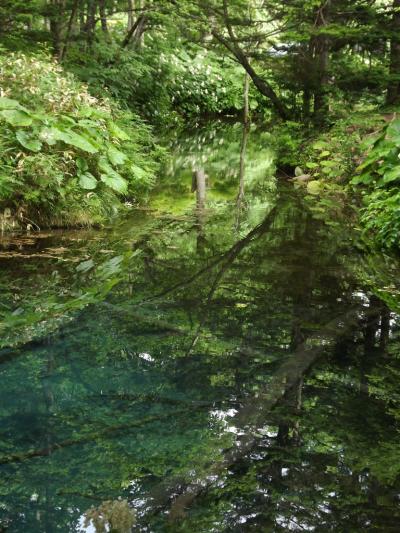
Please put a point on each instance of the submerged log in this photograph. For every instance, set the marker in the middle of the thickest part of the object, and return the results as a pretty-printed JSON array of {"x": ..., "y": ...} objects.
[
  {"x": 177, "y": 496},
  {"x": 84, "y": 439}
]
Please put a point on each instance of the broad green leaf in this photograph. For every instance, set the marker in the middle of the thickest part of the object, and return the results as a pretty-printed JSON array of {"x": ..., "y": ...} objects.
[
  {"x": 311, "y": 165},
  {"x": 74, "y": 139},
  {"x": 391, "y": 175},
  {"x": 28, "y": 141},
  {"x": 85, "y": 266},
  {"x": 329, "y": 163},
  {"x": 314, "y": 187},
  {"x": 16, "y": 117},
  {"x": 364, "y": 178},
  {"x": 116, "y": 157},
  {"x": 393, "y": 129},
  {"x": 115, "y": 182},
  {"x": 9, "y": 103},
  {"x": 112, "y": 266},
  {"x": 320, "y": 145},
  {"x": 87, "y": 181},
  {"x": 117, "y": 132},
  {"x": 91, "y": 112},
  {"x": 139, "y": 172},
  {"x": 81, "y": 164},
  {"x": 105, "y": 166},
  {"x": 298, "y": 171},
  {"x": 67, "y": 120}
]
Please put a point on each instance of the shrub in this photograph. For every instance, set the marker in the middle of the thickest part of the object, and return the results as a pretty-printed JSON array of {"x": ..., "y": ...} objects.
[
  {"x": 379, "y": 176},
  {"x": 66, "y": 157}
]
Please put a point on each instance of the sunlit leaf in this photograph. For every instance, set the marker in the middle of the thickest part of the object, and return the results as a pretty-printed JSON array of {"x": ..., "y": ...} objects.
[
  {"x": 16, "y": 117},
  {"x": 87, "y": 181},
  {"x": 28, "y": 141},
  {"x": 115, "y": 182},
  {"x": 9, "y": 103},
  {"x": 74, "y": 139},
  {"x": 115, "y": 156}
]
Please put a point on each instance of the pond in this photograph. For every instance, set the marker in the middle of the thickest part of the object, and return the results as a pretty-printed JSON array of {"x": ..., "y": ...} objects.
[{"x": 226, "y": 360}]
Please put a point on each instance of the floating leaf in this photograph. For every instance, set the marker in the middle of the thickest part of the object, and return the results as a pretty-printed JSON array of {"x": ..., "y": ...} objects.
[{"x": 28, "y": 141}]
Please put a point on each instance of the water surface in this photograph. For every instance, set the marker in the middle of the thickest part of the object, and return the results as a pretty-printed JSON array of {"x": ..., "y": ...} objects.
[{"x": 227, "y": 362}]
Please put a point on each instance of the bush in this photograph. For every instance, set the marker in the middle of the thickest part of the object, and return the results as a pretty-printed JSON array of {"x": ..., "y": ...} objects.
[
  {"x": 66, "y": 157},
  {"x": 379, "y": 176},
  {"x": 187, "y": 82}
]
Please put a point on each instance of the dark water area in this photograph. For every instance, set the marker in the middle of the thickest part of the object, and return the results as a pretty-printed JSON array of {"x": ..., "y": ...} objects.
[{"x": 227, "y": 361}]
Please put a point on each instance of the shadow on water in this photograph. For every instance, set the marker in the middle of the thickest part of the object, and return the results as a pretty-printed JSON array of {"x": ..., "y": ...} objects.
[{"x": 225, "y": 363}]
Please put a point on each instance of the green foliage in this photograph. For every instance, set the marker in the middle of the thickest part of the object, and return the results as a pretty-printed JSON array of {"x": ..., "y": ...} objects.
[
  {"x": 379, "y": 176},
  {"x": 183, "y": 79},
  {"x": 287, "y": 140},
  {"x": 333, "y": 154},
  {"x": 59, "y": 142}
]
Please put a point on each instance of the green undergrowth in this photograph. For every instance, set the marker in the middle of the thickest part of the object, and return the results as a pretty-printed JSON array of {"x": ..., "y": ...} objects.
[
  {"x": 378, "y": 176},
  {"x": 66, "y": 158},
  {"x": 185, "y": 83},
  {"x": 353, "y": 169}
]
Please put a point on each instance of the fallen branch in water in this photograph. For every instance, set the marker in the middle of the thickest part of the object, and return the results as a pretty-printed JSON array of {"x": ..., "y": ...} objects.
[
  {"x": 48, "y": 450},
  {"x": 253, "y": 414}
]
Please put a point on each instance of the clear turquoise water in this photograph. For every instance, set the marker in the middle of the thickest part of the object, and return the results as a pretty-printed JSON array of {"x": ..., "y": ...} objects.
[{"x": 233, "y": 368}]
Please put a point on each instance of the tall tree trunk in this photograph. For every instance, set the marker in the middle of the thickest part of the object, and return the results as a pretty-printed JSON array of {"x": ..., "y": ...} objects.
[
  {"x": 103, "y": 17},
  {"x": 321, "y": 58},
  {"x": 90, "y": 21},
  {"x": 82, "y": 21},
  {"x": 135, "y": 33},
  {"x": 243, "y": 146},
  {"x": 262, "y": 85},
  {"x": 71, "y": 21},
  {"x": 246, "y": 99},
  {"x": 56, "y": 17},
  {"x": 131, "y": 14},
  {"x": 139, "y": 34},
  {"x": 393, "y": 90}
]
